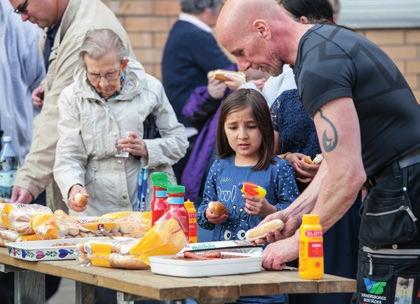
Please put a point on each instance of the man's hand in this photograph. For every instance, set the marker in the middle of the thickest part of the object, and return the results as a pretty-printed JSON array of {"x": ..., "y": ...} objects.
[
  {"x": 72, "y": 194},
  {"x": 291, "y": 224},
  {"x": 275, "y": 255},
  {"x": 21, "y": 195},
  {"x": 38, "y": 97}
]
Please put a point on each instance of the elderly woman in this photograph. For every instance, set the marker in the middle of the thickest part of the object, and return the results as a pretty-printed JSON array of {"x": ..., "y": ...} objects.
[{"x": 101, "y": 119}]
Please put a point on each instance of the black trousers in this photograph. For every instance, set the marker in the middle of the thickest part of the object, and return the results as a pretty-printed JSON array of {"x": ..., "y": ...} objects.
[{"x": 389, "y": 259}]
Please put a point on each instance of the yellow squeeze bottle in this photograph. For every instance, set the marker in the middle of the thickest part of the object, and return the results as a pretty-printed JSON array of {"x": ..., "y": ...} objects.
[
  {"x": 311, "y": 252},
  {"x": 192, "y": 221}
]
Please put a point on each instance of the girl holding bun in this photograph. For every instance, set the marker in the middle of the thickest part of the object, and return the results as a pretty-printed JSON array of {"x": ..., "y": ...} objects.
[
  {"x": 245, "y": 144},
  {"x": 246, "y": 154}
]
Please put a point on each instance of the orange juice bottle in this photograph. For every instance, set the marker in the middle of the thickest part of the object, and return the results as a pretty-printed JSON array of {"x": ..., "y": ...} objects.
[
  {"x": 311, "y": 252},
  {"x": 192, "y": 221}
]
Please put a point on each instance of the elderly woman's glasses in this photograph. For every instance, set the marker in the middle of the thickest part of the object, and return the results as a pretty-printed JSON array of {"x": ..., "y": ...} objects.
[
  {"x": 96, "y": 77},
  {"x": 22, "y": 8}
]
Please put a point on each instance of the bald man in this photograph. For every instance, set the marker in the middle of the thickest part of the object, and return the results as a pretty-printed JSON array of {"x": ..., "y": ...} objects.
[{"x": 363, "y": 111}]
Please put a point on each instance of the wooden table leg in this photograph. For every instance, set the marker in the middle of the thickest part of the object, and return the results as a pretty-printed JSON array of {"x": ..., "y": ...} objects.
[
  {"x": 29, "y": 287},
  {"x": 85, "y": 293}
]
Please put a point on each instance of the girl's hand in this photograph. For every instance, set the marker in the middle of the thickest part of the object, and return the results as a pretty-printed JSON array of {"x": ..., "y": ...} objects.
[
  {"x": 216, "y": 219},
  {"x": 216, "y": 88},
  {"x": 304, "y": 172},
  {"x": 75, "y": 189},
  {"x": 258, "y": 206},
  {"x": 134, "y": 145}
]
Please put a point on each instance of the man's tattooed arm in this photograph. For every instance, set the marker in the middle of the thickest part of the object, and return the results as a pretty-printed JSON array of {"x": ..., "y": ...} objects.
[{"x": 329, "y": 143}]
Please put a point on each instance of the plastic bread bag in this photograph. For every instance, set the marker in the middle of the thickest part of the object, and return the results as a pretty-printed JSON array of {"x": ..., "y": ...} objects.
[
  {"x": 113, "y": 253},
  {"x": 125, "y": 223},
  {"x": 131, "y": 224},
  {"x": 9, "y": 236},
  {"x": 17, "y": 217},
  {"x": 165, "y": 238},
  {"x": 55, "y": 226}
]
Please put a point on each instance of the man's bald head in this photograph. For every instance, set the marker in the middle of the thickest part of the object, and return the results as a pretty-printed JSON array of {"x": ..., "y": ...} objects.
[
  {"x": 259, "y": 33},
  {"x": 240, "y": 14}
]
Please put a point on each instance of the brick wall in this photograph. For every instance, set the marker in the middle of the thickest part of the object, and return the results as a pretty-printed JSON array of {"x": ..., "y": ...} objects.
[{"x": 148, "y": 23}]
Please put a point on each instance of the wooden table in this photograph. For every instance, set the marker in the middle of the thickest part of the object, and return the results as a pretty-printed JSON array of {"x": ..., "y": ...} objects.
[{"x": 143, "y": 283}]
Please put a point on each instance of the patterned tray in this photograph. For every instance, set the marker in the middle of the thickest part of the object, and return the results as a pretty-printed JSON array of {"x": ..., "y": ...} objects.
[{"x": 62, "y": 249}]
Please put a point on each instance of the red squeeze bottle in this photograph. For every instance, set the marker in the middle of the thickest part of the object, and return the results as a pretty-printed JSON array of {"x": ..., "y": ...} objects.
[
  {"x": 159, "y": 204},
  {"x": 176, "y": 207}
]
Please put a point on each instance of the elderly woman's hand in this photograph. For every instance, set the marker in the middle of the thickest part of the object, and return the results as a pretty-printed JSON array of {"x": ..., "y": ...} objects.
[
  {"x": 74, "y": 201},
  {"x": 134, "y": 145}
]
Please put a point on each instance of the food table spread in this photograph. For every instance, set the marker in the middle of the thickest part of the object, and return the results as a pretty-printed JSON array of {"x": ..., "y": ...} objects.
[{"x": 143, "y": 283}]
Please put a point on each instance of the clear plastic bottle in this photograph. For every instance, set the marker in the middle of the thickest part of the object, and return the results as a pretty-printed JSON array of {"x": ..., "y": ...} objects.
[
  {"x": 9, "y": 165},
  {"x": 192, "y": 221},
  {"x": 176, "y": 206},
  {"x": 159, "y": 204},
  {"x": 311, "y": 249}
]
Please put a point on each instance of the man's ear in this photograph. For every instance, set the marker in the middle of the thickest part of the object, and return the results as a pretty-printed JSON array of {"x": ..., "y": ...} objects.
[
  {"x": 304, "y": 20},
  {"x": 124, "y": 63},
  {"x": 262, "y": 29}
]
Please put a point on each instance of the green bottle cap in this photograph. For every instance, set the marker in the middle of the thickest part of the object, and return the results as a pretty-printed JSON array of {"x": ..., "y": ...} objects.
[
  {"x": 175, "y": 189},
  {"x": 159, "y": 179}
]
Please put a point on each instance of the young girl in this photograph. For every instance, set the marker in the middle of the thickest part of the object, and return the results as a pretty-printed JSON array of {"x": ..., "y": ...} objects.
[{"x": 246, "y": 148}]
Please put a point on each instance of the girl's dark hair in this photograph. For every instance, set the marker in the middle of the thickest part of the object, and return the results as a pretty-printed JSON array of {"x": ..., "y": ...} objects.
[
  {"x": 238, "y": 100},
  {"x": 317, "y": 11}
]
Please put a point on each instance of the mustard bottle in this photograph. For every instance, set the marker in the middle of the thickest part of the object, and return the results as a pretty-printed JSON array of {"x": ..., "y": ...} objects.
[
  {"x": 192, "y": 221},
  {"x": 311, "y": 249}
]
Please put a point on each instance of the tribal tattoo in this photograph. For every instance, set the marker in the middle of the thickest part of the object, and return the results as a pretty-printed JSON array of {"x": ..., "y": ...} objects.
[{"x": 329, "y": 143}]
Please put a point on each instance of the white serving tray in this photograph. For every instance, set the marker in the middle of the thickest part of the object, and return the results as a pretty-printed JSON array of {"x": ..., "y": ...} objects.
[
  {"x": 167, "y": 265},
  {"x": 48, "y": 250}
]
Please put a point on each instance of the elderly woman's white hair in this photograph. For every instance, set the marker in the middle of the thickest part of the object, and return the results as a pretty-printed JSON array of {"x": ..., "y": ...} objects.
[{"x": 100, "y": 42}]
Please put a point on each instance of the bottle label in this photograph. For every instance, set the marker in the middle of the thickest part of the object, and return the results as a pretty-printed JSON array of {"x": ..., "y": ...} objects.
[
  {"x": 176, "y": 200},
  {"x": 315, "y": 249},
  {"x": 160, "y": 193},
  {"x": 7, "y": 179},
  {"x": 313, "y": 233}
]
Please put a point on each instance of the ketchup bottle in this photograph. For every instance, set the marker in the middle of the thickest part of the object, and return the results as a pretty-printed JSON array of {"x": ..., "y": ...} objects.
[
  {"x": 159, "y": 204},
  {"x": 176, "y": 207}
]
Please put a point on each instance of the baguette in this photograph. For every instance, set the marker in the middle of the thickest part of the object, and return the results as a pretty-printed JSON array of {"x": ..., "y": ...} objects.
[
  {"x": 220, "y": 75},
  {"x": 260, "y": 232}
]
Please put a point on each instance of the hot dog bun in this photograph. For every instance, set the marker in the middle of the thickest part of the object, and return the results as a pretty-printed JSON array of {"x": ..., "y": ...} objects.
[
  {"x": 261, "y": 231},
  {"x": 126, "y": 261},
  {"x": 318, "y": 159},
  {"x": 220, "y": 74},
  {"x": 217, "y": 208}
]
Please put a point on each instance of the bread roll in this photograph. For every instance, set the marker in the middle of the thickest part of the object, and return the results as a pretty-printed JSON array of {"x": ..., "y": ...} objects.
[
  {"x": 261, "y": 231},
  {"x": 217, "y": 208},
  {"x": 220, "y": 75},
  {"x": 81, "y": 199},
  {"x": 126, "y": 261},
  {"x": 307, "y": 159},
  {"x": 318, "y": 159}
]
